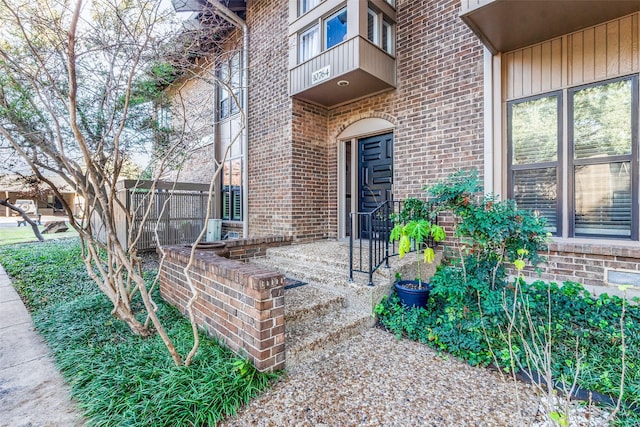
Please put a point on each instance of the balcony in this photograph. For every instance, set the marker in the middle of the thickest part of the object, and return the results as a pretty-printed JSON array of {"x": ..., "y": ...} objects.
[
  {"x": 351, "y": 70},
  {"x": 505, "y": 25}
]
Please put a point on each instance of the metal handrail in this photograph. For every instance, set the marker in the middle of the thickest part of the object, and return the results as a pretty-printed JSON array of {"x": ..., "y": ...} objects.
[{"x": 377, "y": 226}]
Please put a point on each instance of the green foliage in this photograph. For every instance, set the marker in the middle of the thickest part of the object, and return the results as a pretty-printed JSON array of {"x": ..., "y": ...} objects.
[
  {"x": 471, "y": 296},
  {"x": 47, "y": 273},
  {"x": 118, "y": 378},
  {"x": 456, "y": 190},
  {"x": 412, "y": 209},
  {"x": 410, "y": 226},
  {"x": 151, "y": 87},
  {"x": 579, "y": 323}
]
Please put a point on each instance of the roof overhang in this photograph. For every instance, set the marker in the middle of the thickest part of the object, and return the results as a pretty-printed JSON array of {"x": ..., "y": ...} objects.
[
  {"x": 239, "y": 7},
  {"x": 505, "y": 25}
]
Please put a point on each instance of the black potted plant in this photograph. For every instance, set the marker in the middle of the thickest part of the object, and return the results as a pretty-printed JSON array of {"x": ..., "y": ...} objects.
[{"x": 412, "y": 226}]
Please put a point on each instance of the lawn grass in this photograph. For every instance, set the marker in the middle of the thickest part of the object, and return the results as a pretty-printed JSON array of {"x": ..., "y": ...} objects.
[
  {"x": 120, "y": 379},
  {"x": 13, "y": 235}
]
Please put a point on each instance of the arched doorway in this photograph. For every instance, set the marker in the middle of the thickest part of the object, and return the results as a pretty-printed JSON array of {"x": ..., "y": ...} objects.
[{"x": 365, "y": 167}]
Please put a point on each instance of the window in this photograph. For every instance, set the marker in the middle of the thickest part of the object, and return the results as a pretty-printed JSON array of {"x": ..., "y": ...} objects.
[
  {"x": 534, "y": 142},
  {"x": 309, "y": 44},
  {"x": 306, "y": 5},
  {"x": 335, "y": 29},
  {"x": 601, "y": 166},
  {"x": 229, "y": 83},
  {"x": 232, "y": 190},
  {"x": 387, "y": 37},
  {"x": 379, "y": 30},
  {"x": 601, "y": 136},
  {"x": 372, "y": 27}
]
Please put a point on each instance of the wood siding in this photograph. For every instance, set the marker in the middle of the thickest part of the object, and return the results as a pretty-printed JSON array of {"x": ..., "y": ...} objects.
[
  {"x": 356, "y": 53},
  {"x": 597, "y": 53}
]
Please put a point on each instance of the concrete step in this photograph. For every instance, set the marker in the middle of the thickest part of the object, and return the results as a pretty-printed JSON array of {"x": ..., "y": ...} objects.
[
  {"x": 311, "y": 301},
  {"x": 318, "y": 272},
  {"x": 314, "y": 337},
  {"x": 329, "y": 308}
]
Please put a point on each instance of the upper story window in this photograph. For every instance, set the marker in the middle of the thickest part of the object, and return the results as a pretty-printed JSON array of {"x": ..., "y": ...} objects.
[
  {"x": 380, "y": 30},
  {"x": 309, "y": 43},
  {"x": 332, "y": 30},
  {"x": 600, "y": 170},
  {"x": 372, "y": 27},
  {"x": 391, "y": 2},
  {"x": 305, "y": 6},
  {"x": 335, "y": 29},
  {"x": 229, "y": 98}
]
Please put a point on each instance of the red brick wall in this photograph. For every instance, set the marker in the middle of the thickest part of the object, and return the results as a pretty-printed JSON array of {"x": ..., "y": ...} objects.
[
  {"x": 310, "y": 172},
  {"x": 587, "y": 263},
  {"x": 437, "y": 109},
  {"x": 270, "y": 115},
  {"x": 242, "y": 304}
]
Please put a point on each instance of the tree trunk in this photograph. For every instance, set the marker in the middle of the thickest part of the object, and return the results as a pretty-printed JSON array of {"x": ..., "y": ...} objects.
[
  {"x": 24, "y": 216},
  {"x": 124, "y": 314}
]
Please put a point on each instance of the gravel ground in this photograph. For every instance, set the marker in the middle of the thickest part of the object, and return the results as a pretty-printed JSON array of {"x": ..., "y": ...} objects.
[{"x": 376, "y": 380}]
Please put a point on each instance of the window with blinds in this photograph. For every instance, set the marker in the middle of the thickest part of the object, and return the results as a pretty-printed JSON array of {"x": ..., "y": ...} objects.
[
  {"x": 601, "y": 165},
  {"x": 232, "y": 190},
  {"x": 601, "y": 138},
  {"x": 535, "y": 138}
]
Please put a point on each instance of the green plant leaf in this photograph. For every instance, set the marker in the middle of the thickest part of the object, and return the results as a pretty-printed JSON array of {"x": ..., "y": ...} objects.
[
  {"x": 519, "y": 264},
  {"x": 404, "y": 246},
  {"x": 429, "y": 255}
]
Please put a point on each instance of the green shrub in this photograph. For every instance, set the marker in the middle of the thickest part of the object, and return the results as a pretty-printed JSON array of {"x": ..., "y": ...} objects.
[
  {"x": 476, "y": 313},
  {"x": 118, "y": 378}
]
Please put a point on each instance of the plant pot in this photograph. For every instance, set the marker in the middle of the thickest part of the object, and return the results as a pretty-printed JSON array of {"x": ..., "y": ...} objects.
[{"x": 411, "y": 295}]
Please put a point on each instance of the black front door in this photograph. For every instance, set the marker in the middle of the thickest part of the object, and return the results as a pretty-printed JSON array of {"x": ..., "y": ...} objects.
[{"x": 375, "y": 174}]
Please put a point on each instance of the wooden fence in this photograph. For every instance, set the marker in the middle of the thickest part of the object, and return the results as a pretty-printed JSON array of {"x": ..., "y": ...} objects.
[{"x": 177, "y": 211}]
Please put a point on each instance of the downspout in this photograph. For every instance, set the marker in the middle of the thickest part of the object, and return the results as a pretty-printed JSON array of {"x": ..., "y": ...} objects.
[
  {"x": 488, "y": 122},
  {"x": 234, "y": 19}
]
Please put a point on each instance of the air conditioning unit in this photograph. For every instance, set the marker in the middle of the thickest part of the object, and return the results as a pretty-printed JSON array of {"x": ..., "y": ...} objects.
[{"x": 214, "y": 230}]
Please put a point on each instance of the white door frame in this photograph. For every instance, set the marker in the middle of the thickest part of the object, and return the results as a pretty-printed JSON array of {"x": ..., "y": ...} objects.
[{"x": 350, "y": 135}]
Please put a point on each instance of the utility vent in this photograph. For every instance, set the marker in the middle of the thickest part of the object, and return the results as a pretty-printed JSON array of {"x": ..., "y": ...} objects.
[
  {"x": 622, "y": 277},
  {"x": 214, "y": 230}
]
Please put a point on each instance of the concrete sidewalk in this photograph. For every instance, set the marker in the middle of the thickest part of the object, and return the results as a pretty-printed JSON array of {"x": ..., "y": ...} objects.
[{"x": 32, "y": 391}]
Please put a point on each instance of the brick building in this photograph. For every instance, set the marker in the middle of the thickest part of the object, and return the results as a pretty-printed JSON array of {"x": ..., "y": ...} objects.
[{"x": 352, "y": 102}]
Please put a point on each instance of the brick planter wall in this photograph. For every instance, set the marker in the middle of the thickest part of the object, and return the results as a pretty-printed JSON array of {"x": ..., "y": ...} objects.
[
  {"x": 588, "y": 264},
  {"x": 244, "y": 249},
  {"x": 241, "y": 304}
]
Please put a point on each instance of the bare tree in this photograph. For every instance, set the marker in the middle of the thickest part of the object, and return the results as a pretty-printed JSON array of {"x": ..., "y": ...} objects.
[{"x": 80, "y": 87}]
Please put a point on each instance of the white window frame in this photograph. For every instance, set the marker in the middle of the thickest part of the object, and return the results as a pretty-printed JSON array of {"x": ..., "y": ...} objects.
[
  {"x": 388, "y": 44},
  {"x": 381, "y": 23},
  {"x": 325, "y": 34},
  {"x": 305, "y": 6},
  {"x": 306, "y": 51},
  {"x": 376, "y": 29}
]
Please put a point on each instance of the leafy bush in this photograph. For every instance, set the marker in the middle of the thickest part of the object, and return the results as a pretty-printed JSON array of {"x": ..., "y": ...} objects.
[
  {"x": 118, "y": 378},
  {"x": 474, "y": 305},
  {"x": 467, "y": 290}
]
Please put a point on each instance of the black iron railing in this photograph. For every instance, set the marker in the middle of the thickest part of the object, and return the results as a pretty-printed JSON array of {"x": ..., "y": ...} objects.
[{"x": 369, "y": 245}]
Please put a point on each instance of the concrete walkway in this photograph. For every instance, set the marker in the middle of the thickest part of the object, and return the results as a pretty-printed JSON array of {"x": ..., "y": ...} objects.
[{"x": 32, "y": 391}]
